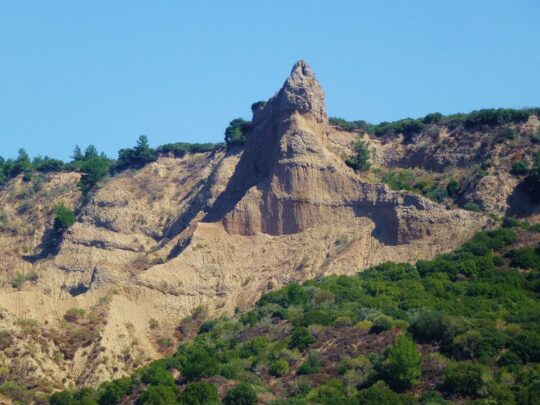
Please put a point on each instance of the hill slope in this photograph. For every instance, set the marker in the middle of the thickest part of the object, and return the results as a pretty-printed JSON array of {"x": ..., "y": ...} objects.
[
  {"x": 192, "y": 230},
  {"x": 461, "y": 327}
]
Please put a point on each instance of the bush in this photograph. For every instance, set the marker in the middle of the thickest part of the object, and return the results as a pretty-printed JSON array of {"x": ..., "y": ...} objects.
[
  {"x": 279, "y": 368},
  {"x": 430, "y": 327},
  {"x": 157, "y": 374},
  {"x": 379, "y": 394},
  {"x": 350, "y": 126},
  {"x": 197, "y": 360},
  {"x": 360, "y": 160},
  {"x": 18, "y": 280},
  {"x": 331, "y": 392},
  {"x": 236, "y": 133},
  {"x": 525, "y": 258},
  {"x": 114, "y": 391},
  {"x": 201, "y": 393},
  {"x": 403, "y": 364},
  {"x": 311, "y": 365},
  {"x": 159, "y": 395},
  {"x": 527, "y": 346},
  {"x": 94, "y": 168},
  {"x": 301, "y": 338},
  {"x": 63, "y": 218},
  {"x": 520, "y": 168},
  {"x": 136, "y": 157},
  {"x": 472, "y": 207},
  {"x": 463, "y": 378},
  {"x": 509, "y": 358},
  {"x": 433, "y": 118},
  {"x": 452, "y": 188},
  {"x": 242, "y": 394}
]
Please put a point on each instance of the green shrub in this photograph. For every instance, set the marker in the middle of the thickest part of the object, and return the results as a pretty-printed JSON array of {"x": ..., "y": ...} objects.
[
  {"x": 279, "y": 368},
  {"x": 200, "y": 393},
  {"x": 379, "y": 394},
  {"x": 331, "y": 392},
  {"x": 114, "y": 391},
  {"x": 159, "y": 395},
  {"x": 463, "y": 378},
  {"x": 433, "y": 118},
  {"x": 509, "y": 358},
  {"x": 311, "y": 365},
  {"x": 157, "y": 374},
  {"x": 135, "y": 157},
  {"x": 527, "y": 346},
  {"x": 242, "y": 394},
  {"x": 63, "y": 218},
  {"x": 362, "y": 153},
  {"x": 301, "y": 338},
  {"x": 520, "y": 168},
  {"x": 351, "y": 126},
  {"x": 430, "y": 327},
  {"x": 254, "y": 347},
  {"x": 402, "y": 365},
  {"x": 452, "y": 188},
  {"x": 74, "y": 314},
  {"x": 197, "y": 360},
  {"x": 18, "y": 280},
  {"x": 94, "y": 168}
]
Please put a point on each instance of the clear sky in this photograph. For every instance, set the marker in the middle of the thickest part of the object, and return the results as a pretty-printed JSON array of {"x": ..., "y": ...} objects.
[{"x": 104, "y": 72}]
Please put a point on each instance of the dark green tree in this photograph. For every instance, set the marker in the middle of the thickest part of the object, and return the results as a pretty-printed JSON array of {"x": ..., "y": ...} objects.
[
  {"x": 362, "y": 153},
  {"x": 77, "y": 154},
  {"x": 242, "y": 394},
  {"x": 237, "y": 131},
  {"x": 199, "y": 393},
  {"x": 159, "y": 395},
  {"x": 403, "y": 364},
  {"x": 463, "y": 378}
]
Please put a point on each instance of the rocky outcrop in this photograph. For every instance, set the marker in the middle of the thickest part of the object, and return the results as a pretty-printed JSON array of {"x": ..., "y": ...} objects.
[{"x": 288, "y": 181}]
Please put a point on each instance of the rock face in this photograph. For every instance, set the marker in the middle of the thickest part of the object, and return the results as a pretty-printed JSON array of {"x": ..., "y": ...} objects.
[
  {"x": 218, "y": 229},
  {"x": 288, "y": 181}
]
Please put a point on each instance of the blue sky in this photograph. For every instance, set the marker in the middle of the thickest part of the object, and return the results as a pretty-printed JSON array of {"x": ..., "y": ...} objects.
[{"x": 104, "y": 72}]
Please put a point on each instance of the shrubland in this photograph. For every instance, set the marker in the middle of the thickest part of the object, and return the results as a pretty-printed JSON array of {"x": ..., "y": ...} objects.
[{"x": 463, "y": 327}]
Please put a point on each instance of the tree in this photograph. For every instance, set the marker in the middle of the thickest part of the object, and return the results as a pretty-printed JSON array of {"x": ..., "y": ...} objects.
[
  {"x": 197, "y": 360},
  {"x": 403, "y": 364},
  {"x": 199, "y": 393},
  {"x": 143, "y": 152},
  {"x": 90, "y": 152},
  {"x": 463, "y": 378},
  {"x": 159, "y": 395},
  {"x": 94, "y": 169},
  {"x": 77, "y": 154},
  {"x": 242, "y": 394},
  {"x": 237, "y": 131},
  {"x": 157, "y": 374},
  {"x": 360, "y": 160},
  {"x": 22, "y": 164}
]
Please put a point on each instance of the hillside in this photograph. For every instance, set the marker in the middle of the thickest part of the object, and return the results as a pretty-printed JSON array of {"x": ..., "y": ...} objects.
[
  {"x": 102, "y": 259},
  {"x": 461, "y": 328}
]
